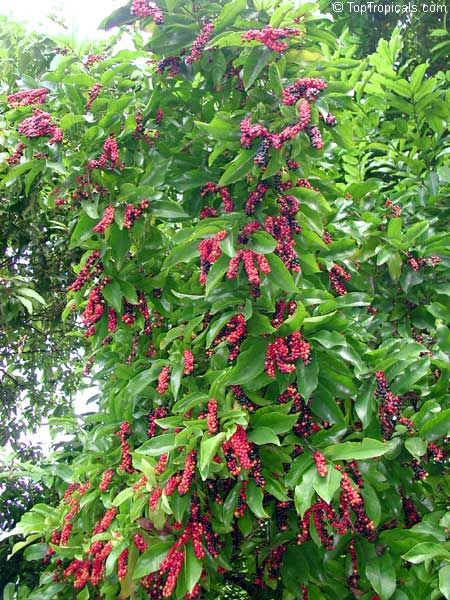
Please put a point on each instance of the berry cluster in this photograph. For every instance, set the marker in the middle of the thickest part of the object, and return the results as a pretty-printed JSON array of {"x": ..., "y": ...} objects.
[
  {"x": 321, "y": 511},
  {"x": 28, "y": 97},
  {"x": 321, "y": 463},
  {"x": 140, "y": 542},
  {"x": 419, "y": 262},
  {"x": 353, "y": 578},
  {"x": 389, "y": 407},
  {"x": 128, "y": 316},
  {"x": 93, "y": 95},
  {"x": 90, "y": 270},
  {"x": 199, "y": 43},
  {"x": 188, "y": 473},
  {"x": 396, "y": 210},
  {"x": 255, "y": 197},
  {"x": 41, "y": 125},
  {"x": 163, "y": 380},
  {"x": 281, "y": 515},
  {"x": 109, "y": 158},
  {"x": 80, "y": 569},
  {"x": 241, "y": 502},
  {"x": 124, "y": 433},
  {"x": 352, "y": 499},
  {"x": 92, "y": 59},
  {"x": 315, "y": 137},
  {"x": 233, "y": 333},
  {"x": 280, "y": 311},
  {"x": 105, "y": 521},
  {"x": 112, "y": 320},
  {"x": 15, "y": 157},
  {"x": 170, "y": 62},
  {"x": 338, "y": 276},
  {"x": 242, "y": 398},
  {"x": 144, "y": 8},
  {"x": 210, "y": 251},
  {"x": 308, "y": 88},
  {"x": 412, "y": 516},
  {"x": 248, "y": 258},
  {"x": 212, "y": 188},
  {"x": 271, "y": 36},
  {"x": 188, "y": 359},
  {"x": 435, "y": 453},
  {"x": 162, "y": 464},
  {"x": 155, "y": 413},
  {"x": 106, "y": 480},
  {"x": 154, "y": 498},
  {"x": 132, "y": 213},
  {"x": 419, "y": 473},
  {"x": 283, "y": 228},
  {"x": 247, "y": 230},
  {"x": 122, "y": 564},
  {"x": 106, "y": 220},
  {"x": 355, "y": 473},
  {"x": 242, "y": 454},
  {"x": 140, "y": 483},
  {"x": 211, "y": 417},
  {"x": 85, "y": 188},
  {"x": 94, "y": 309},
  {"x": 283, "y": 353}
]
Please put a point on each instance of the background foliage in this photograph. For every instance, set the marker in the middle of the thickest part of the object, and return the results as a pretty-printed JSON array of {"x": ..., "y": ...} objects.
[{"x": 373, "y": 202}]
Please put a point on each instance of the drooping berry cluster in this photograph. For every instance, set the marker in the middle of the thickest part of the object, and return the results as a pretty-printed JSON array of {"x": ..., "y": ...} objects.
[
  {"x": 122, "y": 564},
  {"x": 242, "y": 398},
  {"x": 412, "y": 516},
  {"x": 140, "y": 542},
  {"x": 126, "y": 463},
  {"x": 170, "y": 62},
  {"x": 283, "y": 354},
  {"x": 436, "y": 454},
  {"x": 106, "y": 480},
  {"x": 188, "y": 473},
  {"x": 241, "y": 502},
  {"x": 15, "y": 157},
  {"x": 248, "y": 259},
  {"x": 255, "y": 197},
  {"x": 271, "y": 36},
  {"x": 80, "y": 569},
  {"x": 163, "y": 380},
  {"x": 353, "y": 578},
  {"x": 199, "y": 43},
  {"x": 419, "y": 472},
  {"x": 144, "y": 8},
  {"x": 389, "y": 407},
  {"x": 338, "y": 276},
  {"x": 188, "y": 359},
  {"x": 156, "y": 413},
  {"x": 212, "y": 188},
  {"x": 109, "y": 159},
  {"x": 93, "y": 95},
  {"x": 94, "y": 309},
  {"x": 280, "y": 311},
  {"x": 242, "y": 454},
  {"x": 106, "y": 220},
  {"x": 308, "y": 88},
  {"x": 351, "y": 499},
  {"x": 132, "y": 213},
  {"x": 105, "y": 521},
  {"x": 315, "y": 137},
  {"x": 321, "y": 463},
  {"x": 281, "y": 515},
  {"x": 416, "y": 263},
  {"x": 211, "y": 417},
  {"x": 41, "y": 125},
  {"x": 321, "y": 511},
  {"x": 283, "y": 228},
  {"x": 210, "y": 251},
  {"x": 90, "y": 270},
  {"x": 233, "y": 333},
  {"x": 28, "y": 97},
  {"x": 92, "y": 59}
]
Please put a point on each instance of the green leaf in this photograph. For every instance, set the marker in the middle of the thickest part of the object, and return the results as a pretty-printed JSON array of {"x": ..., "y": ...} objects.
[
  {"x": 262, "y": 242},
  {"x": 255, "y": 500},
  {"x": 192, "y": 568},
  {"x": 254, "y": 64},
  {"x": 122, "y": 496},
  {"x": 237, "y": 168},
  {"x": 436, "y": 426},
  {"x": 381, "y": 574},
  {"x": 263, "y": 435},
  {"x": 278, "y": 422},
  {"x": 304, "y": 492},
  {"x": 208, "y": 449},
  {"x": 151, "y": 559},
  {"x": 327, "y": 486},
  {"x": 367, "y": 448},
  {"x": 444, "y": 581},
  {"x": 216, "y": 273},
  {"x": 279, "y": 275},
  {"x": 249, "y": 364},
  {"x": 158, "y": 445},
  {"x": 426, "y": 551},
  {"x": 394, "y": 230},
  {"x": 228, "y": 15},
  {"x": 394, "y": 264},
  {"x": 70, "y": 120},
  {"x": 35, "y": 552},
  {"x": 113, "y": 295},
  {"x": 416, "y": 446}
]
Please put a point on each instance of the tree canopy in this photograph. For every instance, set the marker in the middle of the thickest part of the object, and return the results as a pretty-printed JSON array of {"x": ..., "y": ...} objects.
[{"x": 247, "y": 213}]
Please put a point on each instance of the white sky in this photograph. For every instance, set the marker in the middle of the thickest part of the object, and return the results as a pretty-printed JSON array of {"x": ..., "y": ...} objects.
[{"x": 84, "y": 15}]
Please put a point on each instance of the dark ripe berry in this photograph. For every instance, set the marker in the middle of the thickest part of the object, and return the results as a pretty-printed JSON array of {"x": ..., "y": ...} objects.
[
  {"x": 353, "y": 578},
  {"x": 156, "y": 413},
  {"x": 262, "y": 154},
  {"x": 233, "y": 333},
  {"x": 93, "y": 95},
  {"x": 308, "y": 88},
  {"x": 255, "y": 198},
  {"x": 281, "y": 515},
  {"x": 15, "y": 157},
  {"x": 242, "y": 398},
  {"x": 144, "y": 8},
  {"x": 338, "y": 276},
  {"x": 412, "y": 516}
]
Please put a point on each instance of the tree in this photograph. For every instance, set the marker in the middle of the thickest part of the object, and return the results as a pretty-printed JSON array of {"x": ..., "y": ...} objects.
[{"x": 271, "y": 422}]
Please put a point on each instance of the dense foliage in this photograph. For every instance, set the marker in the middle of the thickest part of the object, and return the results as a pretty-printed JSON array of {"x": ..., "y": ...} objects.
[{"x": 263, "y": 286}]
